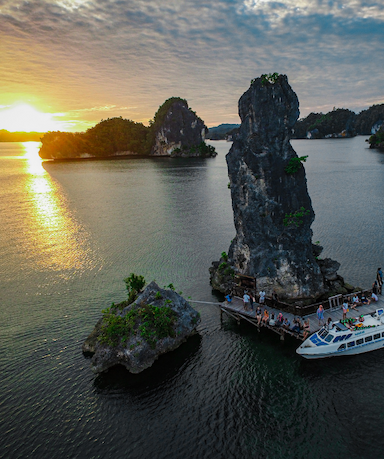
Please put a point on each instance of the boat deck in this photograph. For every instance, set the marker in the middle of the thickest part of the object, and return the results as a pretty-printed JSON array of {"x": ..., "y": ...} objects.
[{"x": 235, "y": 309}]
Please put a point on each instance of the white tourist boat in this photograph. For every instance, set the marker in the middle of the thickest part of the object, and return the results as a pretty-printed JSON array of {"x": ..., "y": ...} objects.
[{"x": 358, "y": 335}]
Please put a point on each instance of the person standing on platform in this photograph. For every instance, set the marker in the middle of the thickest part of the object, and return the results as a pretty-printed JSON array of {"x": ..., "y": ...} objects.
[
  {"x": 251, "y": 299},
  {"x": 262, "y": 297},
  {"x": 379, "y": 277},
  {"x": 306, "y": 329},
  {"x": 345, "y": 309},
  {"x": 320, "y": 314},
  {"x": 275, "y": 298},
  {"x": 246, "y": 299}
]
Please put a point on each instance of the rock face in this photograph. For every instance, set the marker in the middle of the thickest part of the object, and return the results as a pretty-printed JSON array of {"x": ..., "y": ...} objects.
[
  {"x": 179, "y": 132},
  {"x": 272, "y": 208},
  {"x": 138, "y": 349}
]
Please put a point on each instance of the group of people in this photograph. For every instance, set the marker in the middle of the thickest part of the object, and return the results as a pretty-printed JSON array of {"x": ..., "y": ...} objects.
[
  {"x": 263, "y": 317},
  {"x": 356, "y": 300},
  {"x": 297, "y": 326},
  {"x": 249, "y": 300},
  {"x": 266, "y": 318}
]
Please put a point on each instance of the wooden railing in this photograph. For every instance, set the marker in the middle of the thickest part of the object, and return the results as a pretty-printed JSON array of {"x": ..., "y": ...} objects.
[{"x": 334, "y": 302}]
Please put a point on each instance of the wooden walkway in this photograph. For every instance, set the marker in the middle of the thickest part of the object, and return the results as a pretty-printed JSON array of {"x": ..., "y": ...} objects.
[{"x": 236, "y": 310}]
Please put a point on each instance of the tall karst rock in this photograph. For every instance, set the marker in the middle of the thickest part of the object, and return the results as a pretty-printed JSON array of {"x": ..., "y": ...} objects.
[
  {"x": 272, "y": 209},
  {"x": 178, "y": 131}
]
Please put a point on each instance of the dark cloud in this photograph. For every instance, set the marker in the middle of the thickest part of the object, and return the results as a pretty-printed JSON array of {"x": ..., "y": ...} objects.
[{"x": 78, "y": 54}]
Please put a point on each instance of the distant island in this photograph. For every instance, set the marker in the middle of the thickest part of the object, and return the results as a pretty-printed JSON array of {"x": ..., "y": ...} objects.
[
  {"x": 135, "y": 332},
  {"x": 6, "y": 136},
  {"x": 175, "y": 131},
  {"x": 222, "y": 132},
  {"x": 338, "y": 123}
]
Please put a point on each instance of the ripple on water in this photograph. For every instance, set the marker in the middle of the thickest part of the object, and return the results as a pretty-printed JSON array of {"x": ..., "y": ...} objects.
[{"x": 228, "y": 391}]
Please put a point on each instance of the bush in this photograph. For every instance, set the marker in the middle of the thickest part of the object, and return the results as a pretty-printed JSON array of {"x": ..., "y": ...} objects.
[
  {"x": 294, "y": 164},
  {"x": 295, "y": 218},
  {"x": 222, "y": 266},
  {"x": 269, "y": 78},
  {"x": 134, "y": 285},
  {"x": 148, "y": 321}
]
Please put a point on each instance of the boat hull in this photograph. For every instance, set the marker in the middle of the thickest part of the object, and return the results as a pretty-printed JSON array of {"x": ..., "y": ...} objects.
[
  {"x": 352, "y": 338},
  {"x": 355, "y": 351}
]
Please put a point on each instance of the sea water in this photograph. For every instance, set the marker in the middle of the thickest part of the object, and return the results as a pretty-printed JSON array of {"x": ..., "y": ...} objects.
[{"x": 70, "y": 232}]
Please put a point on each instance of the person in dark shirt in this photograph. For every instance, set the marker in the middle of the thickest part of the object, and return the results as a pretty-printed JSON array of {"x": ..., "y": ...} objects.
[{"x": 379, "y": 277}]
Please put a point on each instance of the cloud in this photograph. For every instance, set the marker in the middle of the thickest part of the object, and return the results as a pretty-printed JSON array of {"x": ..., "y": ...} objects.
[
  {"x": 129, "y": 56},
  {"x": 278, "y": 11}
]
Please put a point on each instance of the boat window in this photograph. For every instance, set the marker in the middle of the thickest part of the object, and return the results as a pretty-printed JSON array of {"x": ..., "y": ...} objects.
[
  {"x": 329, "y": 338},
  {"x": 368, "y": 338},
  {"x": 351, "y": 344},
  {"x": 342, "y": 346},
  {"x": 377, "y": 336},
  {"x": 323, "y": 334},
  {"x": 360, "y": 341},
  {"x": 382, "y": 334}
]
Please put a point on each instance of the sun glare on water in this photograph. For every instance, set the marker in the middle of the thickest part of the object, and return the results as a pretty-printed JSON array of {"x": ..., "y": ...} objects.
[{"x": 23, "y": 117}]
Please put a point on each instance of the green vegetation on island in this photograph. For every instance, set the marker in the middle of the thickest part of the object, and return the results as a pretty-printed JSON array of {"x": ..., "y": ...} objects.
[
  {"x": 294, "y": 164},
  {"x": 106, "y": 138},
  {"x": 377, "y": 140},
  {"x": 147, "y": 321}
]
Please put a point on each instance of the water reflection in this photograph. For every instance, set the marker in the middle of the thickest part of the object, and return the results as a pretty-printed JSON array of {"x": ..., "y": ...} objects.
[{"x": 53, "y": 237}]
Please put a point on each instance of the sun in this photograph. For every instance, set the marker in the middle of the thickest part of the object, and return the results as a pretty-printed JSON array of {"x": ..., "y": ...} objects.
[{"x": 23, "y": 117}]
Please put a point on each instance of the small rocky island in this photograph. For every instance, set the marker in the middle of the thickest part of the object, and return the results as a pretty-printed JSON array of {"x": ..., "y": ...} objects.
[
  {"x": 377, "y": 140},
  {"x": 175, "y": 131},
  {"x": 271, "y": 206},
  {"x": 136, "y": 332}
]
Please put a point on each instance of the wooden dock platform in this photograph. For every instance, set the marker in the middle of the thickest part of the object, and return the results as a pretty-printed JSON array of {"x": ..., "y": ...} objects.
[{"x": 235, "y": 309}]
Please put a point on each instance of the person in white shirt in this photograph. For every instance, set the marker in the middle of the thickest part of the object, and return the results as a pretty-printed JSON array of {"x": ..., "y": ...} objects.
[
  {"x": 246, "y": 299},
  {"x": 261, "y": 297}
]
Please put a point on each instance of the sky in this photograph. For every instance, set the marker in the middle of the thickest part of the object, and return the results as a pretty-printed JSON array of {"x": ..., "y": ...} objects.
[{"x": 68, "y": 64}]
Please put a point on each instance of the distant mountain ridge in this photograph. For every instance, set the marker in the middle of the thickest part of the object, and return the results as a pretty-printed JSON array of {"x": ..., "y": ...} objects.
[
  {"x": 6, "y": 136},
  {"x": 222, "y": 131}
]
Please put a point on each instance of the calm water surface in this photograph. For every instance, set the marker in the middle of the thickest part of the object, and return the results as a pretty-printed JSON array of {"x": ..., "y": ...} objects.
[{"x": 69, "y": 234}]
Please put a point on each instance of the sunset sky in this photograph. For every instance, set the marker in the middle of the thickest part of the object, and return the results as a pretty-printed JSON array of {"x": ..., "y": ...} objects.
[{"x": 68, "y": 64}]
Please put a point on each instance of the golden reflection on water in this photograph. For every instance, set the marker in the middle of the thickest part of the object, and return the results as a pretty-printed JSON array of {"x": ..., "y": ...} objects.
[{"x": 53, "y": 237}]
